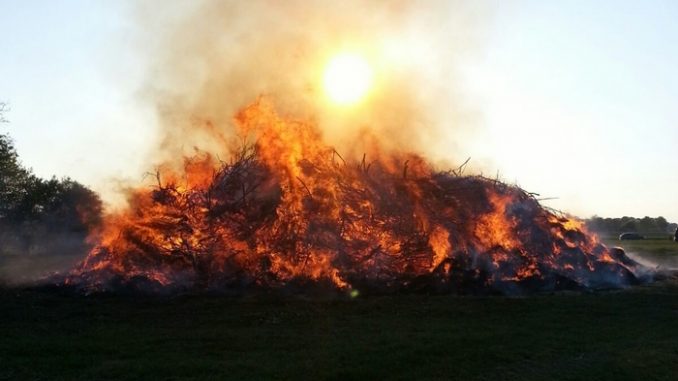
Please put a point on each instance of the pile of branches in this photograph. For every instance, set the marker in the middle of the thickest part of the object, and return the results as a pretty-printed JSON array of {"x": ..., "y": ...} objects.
[{"x": 340, "y": 225}]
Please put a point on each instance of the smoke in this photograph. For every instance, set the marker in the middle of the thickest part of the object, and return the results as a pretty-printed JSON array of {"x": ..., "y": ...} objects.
[
  {"x": 654, "y": 261},
  {"x": 208, "y": 59},
  {"x": 44, "y": 226},
  {"x": 30, "y": 256}
]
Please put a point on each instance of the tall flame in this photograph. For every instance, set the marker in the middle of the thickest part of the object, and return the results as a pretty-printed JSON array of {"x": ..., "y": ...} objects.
[{"x": 290, "y": 210}]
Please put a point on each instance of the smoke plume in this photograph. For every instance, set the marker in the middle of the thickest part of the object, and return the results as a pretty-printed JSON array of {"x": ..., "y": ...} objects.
[{"x": 208, "y": 59}]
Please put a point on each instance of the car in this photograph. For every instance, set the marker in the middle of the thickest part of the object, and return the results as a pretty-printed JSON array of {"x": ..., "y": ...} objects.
[{"x": 630, "y": 236}]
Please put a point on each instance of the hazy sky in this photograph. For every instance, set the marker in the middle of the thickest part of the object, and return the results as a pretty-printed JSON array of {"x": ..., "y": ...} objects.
[{"x": 574, "y": 99}]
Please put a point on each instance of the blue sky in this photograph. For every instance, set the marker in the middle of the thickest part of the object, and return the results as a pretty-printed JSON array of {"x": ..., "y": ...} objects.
[{"x": 575, "y": 99}]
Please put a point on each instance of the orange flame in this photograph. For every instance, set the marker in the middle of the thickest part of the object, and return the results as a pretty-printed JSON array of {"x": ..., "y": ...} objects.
[{"x": 290, "y": 210}]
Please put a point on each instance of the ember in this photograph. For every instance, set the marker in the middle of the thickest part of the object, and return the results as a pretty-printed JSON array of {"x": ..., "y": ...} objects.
[{"x": 288, "y": 211}]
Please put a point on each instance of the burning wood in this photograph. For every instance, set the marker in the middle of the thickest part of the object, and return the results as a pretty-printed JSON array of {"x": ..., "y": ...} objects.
[{"x": 286, "y": 212}]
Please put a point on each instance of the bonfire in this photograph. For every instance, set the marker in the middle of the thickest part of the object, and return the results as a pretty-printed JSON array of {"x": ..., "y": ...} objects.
[{"x": 289, "y": 212}]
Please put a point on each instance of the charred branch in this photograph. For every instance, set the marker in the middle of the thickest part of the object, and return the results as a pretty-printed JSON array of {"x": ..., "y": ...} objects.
[{"x": 459, "y": 171}]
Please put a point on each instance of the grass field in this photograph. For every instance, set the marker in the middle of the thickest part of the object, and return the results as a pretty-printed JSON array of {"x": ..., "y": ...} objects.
[
  {"x": 659, "y": 250},
  {"x": 614, "y": 335}
]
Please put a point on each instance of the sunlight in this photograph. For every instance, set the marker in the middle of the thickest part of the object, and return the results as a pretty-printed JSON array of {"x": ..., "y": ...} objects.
[{"x": 347, "y": 79}]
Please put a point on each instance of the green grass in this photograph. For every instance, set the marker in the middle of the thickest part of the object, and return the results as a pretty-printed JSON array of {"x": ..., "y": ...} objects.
[
  {"x": 659, "y": 250},
  {"x": 614, "y": 335},
  {"x": 626, "y": 335}
]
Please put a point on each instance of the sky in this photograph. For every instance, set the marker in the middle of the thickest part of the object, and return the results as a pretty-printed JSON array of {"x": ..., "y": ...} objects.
[{"x": 572, "y": 100}]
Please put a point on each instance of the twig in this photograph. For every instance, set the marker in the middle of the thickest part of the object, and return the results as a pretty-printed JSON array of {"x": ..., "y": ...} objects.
[
  {"x": 460, "y": 170},
  {"x": 155, "y": 174},
  {"x": 304, "y": 184},
  {"x": 334, "y": 152}
]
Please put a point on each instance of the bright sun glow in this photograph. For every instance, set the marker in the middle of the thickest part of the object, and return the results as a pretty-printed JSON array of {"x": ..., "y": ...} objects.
[{"x": 347, "y": 78}]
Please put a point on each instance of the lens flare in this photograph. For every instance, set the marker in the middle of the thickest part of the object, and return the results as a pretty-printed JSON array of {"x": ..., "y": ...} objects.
[{"x": 347, "y": 79}]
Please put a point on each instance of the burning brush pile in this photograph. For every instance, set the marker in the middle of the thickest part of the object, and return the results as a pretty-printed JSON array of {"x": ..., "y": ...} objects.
[{"x": 288, "y": 212}]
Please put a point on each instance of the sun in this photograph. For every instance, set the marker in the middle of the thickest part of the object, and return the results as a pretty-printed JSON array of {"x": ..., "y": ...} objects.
[{"x": 347, "y": 79}]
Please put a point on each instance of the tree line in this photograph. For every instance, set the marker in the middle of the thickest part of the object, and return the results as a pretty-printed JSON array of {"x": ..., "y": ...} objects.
[
  {"x": 34, "y": 211},
  {"x": 646, "y": 225}
]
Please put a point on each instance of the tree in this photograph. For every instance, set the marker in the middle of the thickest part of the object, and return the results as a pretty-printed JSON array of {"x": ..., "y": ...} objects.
[
  {"x": 3, "y": 109},
  {"x": 13, "y": 177},
  {"x": 629, "y": 225},
  {"x": 662, "y": 224},
  {"x": 35, "y": 210},
  {"x": 645, "y": 225}
]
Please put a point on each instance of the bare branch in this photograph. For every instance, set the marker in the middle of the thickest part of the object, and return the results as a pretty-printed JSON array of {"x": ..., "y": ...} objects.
[
  {"x": 334, "y": 152},
  {"x": 460, "y": 169},
  {"x": 304, "y": 184},
  {"x": 3, "y": 109}
]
